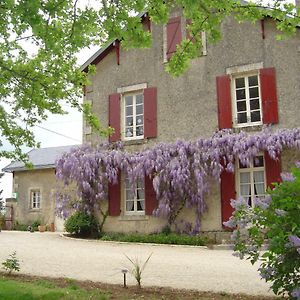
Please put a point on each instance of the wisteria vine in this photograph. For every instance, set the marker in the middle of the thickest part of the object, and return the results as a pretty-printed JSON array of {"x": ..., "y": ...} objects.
[{"x": 180, "y": 171}]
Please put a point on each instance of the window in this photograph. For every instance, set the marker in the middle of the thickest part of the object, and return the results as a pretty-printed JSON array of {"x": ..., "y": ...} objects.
[
  {"x": 247, "y": 96},
  {"x": 35, "y": 199},
  {"x": 133, "y": 114},
  {"x": 134, "y": 198},
  {"x": 174, "y": 32},
  {"x": 251, "y": 179},
  {"x": 247, "y": 100}
]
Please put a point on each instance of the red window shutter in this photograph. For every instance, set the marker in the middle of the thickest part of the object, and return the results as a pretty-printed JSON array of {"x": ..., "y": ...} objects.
[
  {"x": 174, "y": 35},
  {"x": 269, "y": 95},
  {"x": 272, "y": 169},
  {"x": 114, "y": 117},
  {"x": 224, "y": 101},
  {"x": 150, "y": 196},
  {"x": 150, "y": 112},
  {"x": 227, "y": 193},
  {"x": 114, "y": 198}
]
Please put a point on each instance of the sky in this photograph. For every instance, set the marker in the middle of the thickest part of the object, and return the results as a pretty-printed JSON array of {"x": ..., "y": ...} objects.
[{"x": 58, "y": 130}]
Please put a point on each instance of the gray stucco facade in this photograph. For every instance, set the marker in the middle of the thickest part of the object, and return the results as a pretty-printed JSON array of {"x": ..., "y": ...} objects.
[{"x": 187, "y": 106}]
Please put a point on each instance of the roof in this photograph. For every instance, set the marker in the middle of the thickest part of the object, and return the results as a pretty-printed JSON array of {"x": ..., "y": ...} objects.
[
  {"x": 42, "y": 158},
  {"x": 102, "y": 52}
]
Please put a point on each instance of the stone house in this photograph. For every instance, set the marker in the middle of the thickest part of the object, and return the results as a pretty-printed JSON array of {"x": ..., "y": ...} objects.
[
  {"x": 245, "y": 81},
  {"x": 34, "y": 189}
]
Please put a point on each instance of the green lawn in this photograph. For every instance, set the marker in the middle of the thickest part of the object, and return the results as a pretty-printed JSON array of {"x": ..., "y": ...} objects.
[
  {"x": 45, "y": 290},
  {"x": 24, "y": 287}
]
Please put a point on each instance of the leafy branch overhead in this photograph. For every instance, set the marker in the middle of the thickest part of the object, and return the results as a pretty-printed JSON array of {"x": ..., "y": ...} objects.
[{"x": 40, "y": 40}]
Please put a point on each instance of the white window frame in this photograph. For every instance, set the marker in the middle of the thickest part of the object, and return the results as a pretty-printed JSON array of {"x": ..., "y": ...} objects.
[
  {"x": 37, "y": 201},
  {"x": 135, "y": 212},
  {"x": 250, "y": 169},
  {"x": 248, "y": 110},
  {"x": 123, "y": 118}
]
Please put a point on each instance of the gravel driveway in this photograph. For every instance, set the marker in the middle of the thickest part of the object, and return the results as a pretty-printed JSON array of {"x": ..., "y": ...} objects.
[{"x": 49, "y": 254}]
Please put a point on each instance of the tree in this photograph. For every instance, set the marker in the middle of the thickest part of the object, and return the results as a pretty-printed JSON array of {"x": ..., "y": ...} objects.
[
  {"x": 39, "y": 40},
  {"x": 181, "y": 172},
  {"x": 274, "y": 220},
  {"x": 1, "y": 199}
]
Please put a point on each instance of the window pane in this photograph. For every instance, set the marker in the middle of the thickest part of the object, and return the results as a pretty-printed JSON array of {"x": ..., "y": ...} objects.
[
  {"x": 129, "y": 205},
  {"x": 255, "y": 116},
  {"x": 259, "y": 176},
  {"x": 254, "y": 104},
  {"x": 129, "y": 194},
  {"x": 240, "y": 94},
  {"x": 129, "y": 121},
  {"x": 139, "y": 99},
  {"x": 139, "y": 109},
  {"x": 241, "y": 106},
  {"x": 140, "y": 205},
  {"x": 245, "y": 177},
  {"x": 128, "y": 100},
  {"x": 245, "y": 189},
  {"x": 242, "y": 118},
  {"x": 258, "y": 161},
  {"x": 253, "y": 80},
  {"x": 129, "y": 111},
  {"x": 253, "y": 92},
  {"x": 240, "y": 82},
  {"x": 259, "y": 189},
  {"x": 140, "y": 194},
  {"x": 139, "y": 130},
  {"x": 129, "y": 132},
  {"x": 241, "y": 166},
  {"x": 139, "y": 120}
]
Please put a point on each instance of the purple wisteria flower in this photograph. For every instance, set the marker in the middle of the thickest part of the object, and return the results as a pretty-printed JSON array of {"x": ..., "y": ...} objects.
[
  {"x": 280, "y": 212},
  {"x": 286, "y": 176},
  {"x": 261, "y": 203},
  {"x": 239, "y": 203},
  {"x": 296, "y": 293},
  {"x": 295, "y": 242}
]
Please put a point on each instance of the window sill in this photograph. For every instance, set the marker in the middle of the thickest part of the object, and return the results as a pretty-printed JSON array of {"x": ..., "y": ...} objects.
[
  {"x": 248, "y": 128},
  {"x": 134, "y": 218},
  {"x": 35, "y": 210},
  {"x": 135, "y": 142}
]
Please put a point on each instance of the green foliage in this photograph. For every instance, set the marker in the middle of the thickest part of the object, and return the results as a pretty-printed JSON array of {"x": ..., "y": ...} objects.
[
  {"x": 11, "y": 264},
  {"x": 275, "y": 220},
  {"x": 138, "y": 268},
  {"x": 82, "y": 224},
  {"x": 2, "y": 221},
  {"x": 35, "y": 225},
  {"x": 46, "y": 290},
  {"x": 36, "y": 83},
  {"x": 20, "y": 227},
  {"x": 159, "y": 238}
]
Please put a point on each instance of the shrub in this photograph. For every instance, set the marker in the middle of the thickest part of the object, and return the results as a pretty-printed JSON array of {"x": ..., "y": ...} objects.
[
  {"x": 157, "y": 238},
  {"x": 11, "y": 264},
  {"x": 2, "y": 221},
  {"x": 20, "y": 227},
  {"x": 82, "y": 224},
  {"x": 35, "y": 225},
  {"x": 274, "y": 219}
]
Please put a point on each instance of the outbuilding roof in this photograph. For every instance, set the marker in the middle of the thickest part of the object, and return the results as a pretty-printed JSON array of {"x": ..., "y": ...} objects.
[{"x": 42, "y": 158}]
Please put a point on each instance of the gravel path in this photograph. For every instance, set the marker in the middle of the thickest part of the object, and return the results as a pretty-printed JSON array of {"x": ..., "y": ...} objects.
[{"x": 49, "y": 254}]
